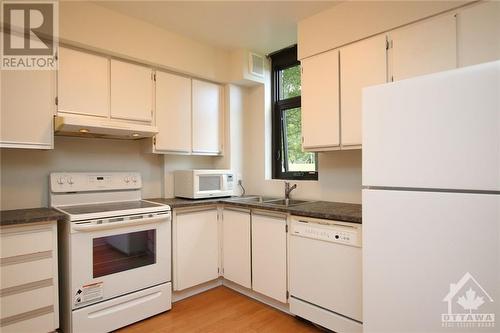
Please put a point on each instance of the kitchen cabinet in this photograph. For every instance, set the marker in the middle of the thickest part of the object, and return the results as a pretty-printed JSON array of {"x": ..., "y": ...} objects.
[
  {"x": 27, "y": 122},
  {"x": 195, "y": 246},
  {"x": 173, "y": 113},
  {"x": 478, "y": 31},
  {"x": 236, "y": 256},
  {"x": 131, "y": 91},
  {"x": 423, "y": 48},
  {"x": 320, "y": 102},
  {"x": 29, "y": 278},
  {"x": 269, "y": 254},
  {"x": 207, "y": 118},
  {"x": 83, "y": 83},
  {"x": 362, "y": 64}
]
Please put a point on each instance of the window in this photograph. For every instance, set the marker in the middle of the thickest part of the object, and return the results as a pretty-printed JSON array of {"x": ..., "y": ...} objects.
[{"x": 289, "y": 161}]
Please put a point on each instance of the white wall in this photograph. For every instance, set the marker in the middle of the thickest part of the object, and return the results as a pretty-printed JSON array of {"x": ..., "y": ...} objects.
[
  {"x": 91, "y": 26},
  {"x": 24, "y": 172}
]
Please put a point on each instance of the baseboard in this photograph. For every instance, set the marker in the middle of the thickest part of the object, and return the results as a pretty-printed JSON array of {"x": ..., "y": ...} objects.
[
  {"x": 182, "y": 294},
  {"x": 256, "y": 296}
]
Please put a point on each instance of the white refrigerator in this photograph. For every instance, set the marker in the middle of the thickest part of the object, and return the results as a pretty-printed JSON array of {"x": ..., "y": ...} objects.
[{"x": 431, "y": 203}]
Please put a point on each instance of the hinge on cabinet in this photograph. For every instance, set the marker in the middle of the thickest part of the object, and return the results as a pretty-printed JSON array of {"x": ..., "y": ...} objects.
[
  {"x": 154, "y": 140},
  {"x": 154, "y": 77},
  {"x": 286, "y": 228},
  {"x": 287, "y": 294},
  {"x": 218, "y": 270},
  {"x": 392, "y": 78},
  {"x": 388, "y": 44},
  {"x": 57, "y": 100}
]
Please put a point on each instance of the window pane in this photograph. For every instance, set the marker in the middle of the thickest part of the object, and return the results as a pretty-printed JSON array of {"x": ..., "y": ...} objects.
[
  {"x": 289, "y": 82},
  {"x": 118, "y": 253},
  {"x": 296, "y": 159}
]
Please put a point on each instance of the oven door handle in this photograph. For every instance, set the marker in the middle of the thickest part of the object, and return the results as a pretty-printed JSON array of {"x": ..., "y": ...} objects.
[{"x": 113, "y": 225}]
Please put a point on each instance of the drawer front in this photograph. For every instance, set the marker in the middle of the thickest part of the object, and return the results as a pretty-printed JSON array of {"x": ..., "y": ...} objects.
[
  {"x": 23, "y": 302},
  {"x": 26, "y": 272},
  {"x": 124, "y": 310},
  {"x": 39, "y": 324},
  {"x": 16, "y": 244}
]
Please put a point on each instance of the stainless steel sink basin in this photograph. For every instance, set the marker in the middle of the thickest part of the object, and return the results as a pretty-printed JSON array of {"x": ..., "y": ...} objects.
[
  {"x": 286, "y": 202},
  {"x": 255, "y": 199}
]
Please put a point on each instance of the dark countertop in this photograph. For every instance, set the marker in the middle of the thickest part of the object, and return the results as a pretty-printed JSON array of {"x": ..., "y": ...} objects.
[
  {"x": 339, "y": 211},
  {"x": 29, "y": 215}
]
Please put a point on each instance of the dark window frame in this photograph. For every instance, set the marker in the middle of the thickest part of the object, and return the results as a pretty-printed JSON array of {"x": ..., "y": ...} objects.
[{"x": 282, "y": 60}]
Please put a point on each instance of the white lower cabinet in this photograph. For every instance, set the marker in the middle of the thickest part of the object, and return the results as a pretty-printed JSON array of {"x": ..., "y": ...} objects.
[
  {"x": 29, "y": 278},
  {"x": 196, "y": 246},
  {"x": 236, "y": 252},
  {"x": 269, "y": 255}
]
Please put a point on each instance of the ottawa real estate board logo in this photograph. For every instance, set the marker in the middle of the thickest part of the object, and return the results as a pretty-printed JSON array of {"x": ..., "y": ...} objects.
[
  {"x": 467, "y": 301},
  {"x": 29, "y": 35}
]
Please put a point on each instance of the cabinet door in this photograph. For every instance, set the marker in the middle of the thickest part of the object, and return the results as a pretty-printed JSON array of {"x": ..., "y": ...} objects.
[
  {"x": 27, "y": 122},
  {"x": 320, "y": 101},
  {"x": 479, "y": 33},
  {"x": 83, "y": 83},
  {"x": 196, "y": 248},
  {"x": 206, "y": 118},
  {"x": 236, "y": 247},
  {"x": 423, "y": 48},
  {"x": 173, "y": 113},
  {"x": 131, "y": 91},
  {"x": 362, "y": 64},
  {"x": 269, "y": 265}
]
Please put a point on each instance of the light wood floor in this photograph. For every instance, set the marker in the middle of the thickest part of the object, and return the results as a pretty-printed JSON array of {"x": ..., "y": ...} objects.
[{"x": 220, "y": 310}]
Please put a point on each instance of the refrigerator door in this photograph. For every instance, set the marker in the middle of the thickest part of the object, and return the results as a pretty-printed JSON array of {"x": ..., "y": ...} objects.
[
  {"x": 422, "y": 253},
  {"x": 435, "y": 131}
]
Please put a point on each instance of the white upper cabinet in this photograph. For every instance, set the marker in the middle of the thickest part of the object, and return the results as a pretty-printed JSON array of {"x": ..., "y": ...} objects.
[
  {"x": 423, "y": 48},
  {"x": 173, "y": 113},
  {"x": 479, "y": 33},
  {"x": 236, "y": 247},
  {"x": 269, "y": 261},
  {"x": 320, "y": 101},
  {"x": 131, "y": 91},
  {"x": 362, "y": 64},
  {"x": 207, "y": 118},
  {"x": 83, "y": 83},
  {"x": 27, "y": 108}
]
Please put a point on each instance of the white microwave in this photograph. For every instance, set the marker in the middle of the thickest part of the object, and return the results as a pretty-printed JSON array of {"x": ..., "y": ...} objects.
[{"x": 197, "y": 184}]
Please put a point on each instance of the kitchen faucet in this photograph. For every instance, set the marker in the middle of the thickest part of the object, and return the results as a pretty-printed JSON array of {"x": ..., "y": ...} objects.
[{"x": 289, "y": 190}]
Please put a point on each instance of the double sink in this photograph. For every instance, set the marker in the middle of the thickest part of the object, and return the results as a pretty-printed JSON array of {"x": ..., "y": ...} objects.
[{"x": 272, "y": 201}]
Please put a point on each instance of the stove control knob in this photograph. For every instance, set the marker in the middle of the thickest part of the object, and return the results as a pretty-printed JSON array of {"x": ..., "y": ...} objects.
[
  {"x": 134, "y": 179},
  {"x": 60, "y": 180},
  {"x": 70, "y": 181},
  {"x": 127, "y": 179}
]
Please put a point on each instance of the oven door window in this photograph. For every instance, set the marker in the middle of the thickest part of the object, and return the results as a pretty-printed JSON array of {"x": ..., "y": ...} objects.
[
  {"x": 118, "y": 253},
  {"x": 210, "y": 183}
]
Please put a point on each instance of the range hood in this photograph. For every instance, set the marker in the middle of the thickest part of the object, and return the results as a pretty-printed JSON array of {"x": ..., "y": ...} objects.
[{"x": 69, "y": 125}]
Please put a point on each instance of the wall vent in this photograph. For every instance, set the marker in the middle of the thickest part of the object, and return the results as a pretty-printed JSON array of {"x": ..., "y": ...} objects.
[{"x": 256, "y": 64}]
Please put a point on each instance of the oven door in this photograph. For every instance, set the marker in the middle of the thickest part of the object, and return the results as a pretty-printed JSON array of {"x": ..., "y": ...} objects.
[{"x": 115, "y": 258}]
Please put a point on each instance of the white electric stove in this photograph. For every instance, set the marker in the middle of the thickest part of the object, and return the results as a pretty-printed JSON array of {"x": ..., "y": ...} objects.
[{"x": 115, "y": 251}]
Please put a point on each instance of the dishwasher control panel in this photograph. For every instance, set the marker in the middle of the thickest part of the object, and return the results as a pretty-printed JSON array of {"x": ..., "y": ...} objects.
[{"x": 327, "y": 231}]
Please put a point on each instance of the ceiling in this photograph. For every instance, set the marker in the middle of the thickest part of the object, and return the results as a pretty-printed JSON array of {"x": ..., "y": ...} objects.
[{"x": 261, "y": 26}]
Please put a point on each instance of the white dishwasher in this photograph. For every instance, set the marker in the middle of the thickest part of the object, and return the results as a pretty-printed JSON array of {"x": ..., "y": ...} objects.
[{"x": 325, "y": 273}]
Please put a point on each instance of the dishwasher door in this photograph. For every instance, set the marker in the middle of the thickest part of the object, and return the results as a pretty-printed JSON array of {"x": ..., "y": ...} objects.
[{"x": 325, "y": 265}]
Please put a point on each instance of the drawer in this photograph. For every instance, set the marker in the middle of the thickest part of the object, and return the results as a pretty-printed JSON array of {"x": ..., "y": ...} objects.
[
  {"x": 40, "y": 324},
  {"x": 26, "y": 301},
  {"x": 26, "y": 272},
  {"x": 15, "y": 244}
]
